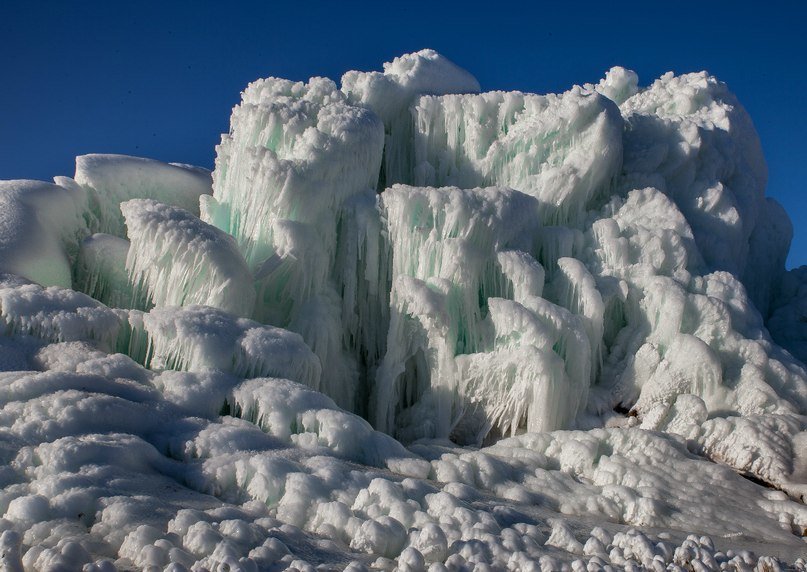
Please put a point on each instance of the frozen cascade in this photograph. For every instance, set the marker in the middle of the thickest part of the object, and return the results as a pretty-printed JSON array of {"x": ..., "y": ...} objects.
[
  {"x": 455, "y": 344},
  {"x": 101, "y": 271},
  {"x": 574, "y": 286}
]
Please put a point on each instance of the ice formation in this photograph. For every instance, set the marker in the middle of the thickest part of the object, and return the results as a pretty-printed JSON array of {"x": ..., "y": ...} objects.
[
  {"x": 112, "y": 179},
  {"x": 178, "y": 260},
  {"x": 408, "y": 325}
]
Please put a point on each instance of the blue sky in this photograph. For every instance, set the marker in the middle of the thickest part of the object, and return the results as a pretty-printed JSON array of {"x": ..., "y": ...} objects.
[{"x": 158, "y": 79}]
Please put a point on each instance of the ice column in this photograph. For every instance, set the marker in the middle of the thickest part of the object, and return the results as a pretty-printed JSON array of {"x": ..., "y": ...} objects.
[{"x": 296, "y": 172}]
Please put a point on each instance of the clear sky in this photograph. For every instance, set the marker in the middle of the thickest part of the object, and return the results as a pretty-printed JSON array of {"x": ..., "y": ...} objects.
[{"x": 158, "y": 79}]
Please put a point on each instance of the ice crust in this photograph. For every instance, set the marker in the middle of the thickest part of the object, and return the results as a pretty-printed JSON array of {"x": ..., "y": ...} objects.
[{"x": 411, "y": 326}]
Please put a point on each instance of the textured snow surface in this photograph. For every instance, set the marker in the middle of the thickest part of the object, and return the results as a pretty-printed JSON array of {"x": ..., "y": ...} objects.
[{"x": 408, "y": 325}]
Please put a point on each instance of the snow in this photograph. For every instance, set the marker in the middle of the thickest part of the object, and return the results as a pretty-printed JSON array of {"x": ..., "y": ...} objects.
[{"x": 411, "y": 326}]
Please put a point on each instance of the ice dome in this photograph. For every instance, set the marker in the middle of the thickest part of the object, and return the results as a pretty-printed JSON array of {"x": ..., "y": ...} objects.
[{"x": 409, "y": 324}]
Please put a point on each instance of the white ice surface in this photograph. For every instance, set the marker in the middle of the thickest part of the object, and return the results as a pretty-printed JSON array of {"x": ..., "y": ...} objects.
[
  {"x": 560, "y": 361},
  {"x": 565, "y": 150}
]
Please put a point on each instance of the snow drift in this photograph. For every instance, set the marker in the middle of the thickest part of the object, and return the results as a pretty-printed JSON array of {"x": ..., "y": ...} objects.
[{"x": 410, "y": 325}]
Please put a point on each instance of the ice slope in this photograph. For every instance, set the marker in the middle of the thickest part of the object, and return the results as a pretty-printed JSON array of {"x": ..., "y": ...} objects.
[{"x": 413, "y": 327}]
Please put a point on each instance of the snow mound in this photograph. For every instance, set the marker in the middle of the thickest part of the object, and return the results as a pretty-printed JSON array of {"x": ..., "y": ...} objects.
[{"x": 408, "y": 325}]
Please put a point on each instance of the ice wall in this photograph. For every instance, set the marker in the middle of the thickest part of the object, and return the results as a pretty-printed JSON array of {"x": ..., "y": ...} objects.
[{"x": 463, "y": 356}]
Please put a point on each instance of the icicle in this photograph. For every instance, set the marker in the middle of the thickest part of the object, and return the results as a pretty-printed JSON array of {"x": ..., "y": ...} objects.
[{"x": 101, "y": 272}]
